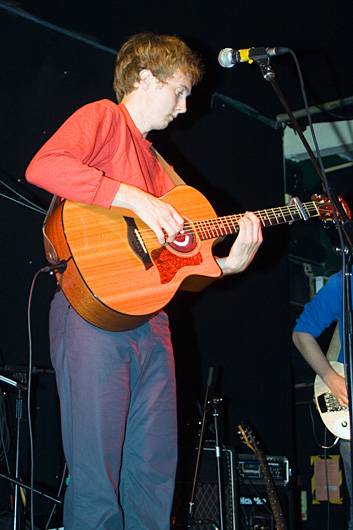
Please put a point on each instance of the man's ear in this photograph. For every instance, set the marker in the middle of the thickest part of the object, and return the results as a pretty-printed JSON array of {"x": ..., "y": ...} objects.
[{"x": 145, "y": 78}]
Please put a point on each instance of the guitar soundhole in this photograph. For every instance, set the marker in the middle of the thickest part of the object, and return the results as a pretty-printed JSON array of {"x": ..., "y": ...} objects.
[
  {"x": 182, "y": 252},
  {"x": 184, "y": 242}
]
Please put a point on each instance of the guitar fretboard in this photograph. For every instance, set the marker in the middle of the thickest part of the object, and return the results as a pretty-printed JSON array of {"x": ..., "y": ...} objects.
[
  {"x": 272, "y": 494},
  {"x": 229, "y": 224}
]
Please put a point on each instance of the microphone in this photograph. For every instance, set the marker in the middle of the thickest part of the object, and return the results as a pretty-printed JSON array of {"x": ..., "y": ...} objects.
[{"x": 228, "y": 57}]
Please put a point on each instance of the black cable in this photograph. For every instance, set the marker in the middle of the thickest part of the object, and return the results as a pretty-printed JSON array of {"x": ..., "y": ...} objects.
[
  {"x": 305, "y": 100},
  {"x": 320, "y": 168},
  {"x": 51, "y": 269},
  {"x": 322, "y": 446},
  {"x": 29, "y": 389},
  {"x": 27, "y": 203}
]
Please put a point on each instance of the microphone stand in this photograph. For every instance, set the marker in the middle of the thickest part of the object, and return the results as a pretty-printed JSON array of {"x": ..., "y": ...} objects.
[
  {"x": 21, "y": 389},
  {"x": 345, "y": 232},
  {"x": 338, "y": 210},
  {"x": 215, "y": 403}
]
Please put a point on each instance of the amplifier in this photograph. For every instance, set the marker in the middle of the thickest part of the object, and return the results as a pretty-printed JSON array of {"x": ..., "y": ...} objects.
[
  {"x": 255, "y": 506},
  {"x": 206, "y": 513},
  {"x": 250, "y": 472}
]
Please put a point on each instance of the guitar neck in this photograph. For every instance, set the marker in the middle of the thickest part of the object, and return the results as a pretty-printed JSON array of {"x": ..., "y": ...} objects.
[
  {"x": 271, "y": 491},
  {"x": 229, "y": 224}
]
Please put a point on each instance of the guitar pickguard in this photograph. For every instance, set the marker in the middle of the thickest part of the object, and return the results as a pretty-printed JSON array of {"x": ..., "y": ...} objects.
[
  {"x": 334, "y": 415},
  {"x": 168, "y": 264}
]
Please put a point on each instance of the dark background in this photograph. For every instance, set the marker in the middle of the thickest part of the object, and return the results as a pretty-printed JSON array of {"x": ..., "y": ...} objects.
[{"x": 57, "y": 56}]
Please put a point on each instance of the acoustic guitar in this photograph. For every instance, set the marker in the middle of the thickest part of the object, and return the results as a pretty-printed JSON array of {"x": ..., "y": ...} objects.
[
  {"x": 118, "y": 275},
  {"x": 249, "y": 439}
]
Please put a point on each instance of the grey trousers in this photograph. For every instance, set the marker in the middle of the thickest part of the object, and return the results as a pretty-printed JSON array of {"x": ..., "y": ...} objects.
[{"x": 118, "y": 417}]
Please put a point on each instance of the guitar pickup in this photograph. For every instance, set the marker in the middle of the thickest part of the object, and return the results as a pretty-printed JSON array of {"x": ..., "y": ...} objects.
[{"x": 328, "y": 403}]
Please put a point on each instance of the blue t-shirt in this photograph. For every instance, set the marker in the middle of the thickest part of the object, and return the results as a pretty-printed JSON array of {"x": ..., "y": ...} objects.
[{"x": 323, "y": 309}]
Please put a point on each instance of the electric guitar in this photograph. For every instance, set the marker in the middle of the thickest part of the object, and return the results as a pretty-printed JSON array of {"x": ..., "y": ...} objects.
[
  {"x": 118, "y": 275},
  {"x": 250, "y": 441},
  {"x": 334, "y": 415}
]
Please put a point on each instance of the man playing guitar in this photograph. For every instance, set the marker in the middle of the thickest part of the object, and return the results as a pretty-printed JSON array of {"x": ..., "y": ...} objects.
[
  {"x": 117, "y": 388},
  {"x": 318, "y": 314}
]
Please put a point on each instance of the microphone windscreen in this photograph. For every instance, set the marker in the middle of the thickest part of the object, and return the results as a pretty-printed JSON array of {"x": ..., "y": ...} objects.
[{"x": 225, "y": 58}]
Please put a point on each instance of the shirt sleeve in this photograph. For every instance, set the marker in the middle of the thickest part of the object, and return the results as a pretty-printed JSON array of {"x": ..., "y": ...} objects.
[
  {"x": 65, "y": 166},
  {"x": 323, "y": 309}
]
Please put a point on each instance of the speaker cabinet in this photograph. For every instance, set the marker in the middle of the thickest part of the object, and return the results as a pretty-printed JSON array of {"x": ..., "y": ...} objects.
[{"x": 206, "y": 513}]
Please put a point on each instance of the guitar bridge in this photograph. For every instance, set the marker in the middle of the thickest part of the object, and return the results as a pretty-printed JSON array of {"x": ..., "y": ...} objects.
[
  {"x": 328, "y": 403},
  {"x": 136, "y": 242}
]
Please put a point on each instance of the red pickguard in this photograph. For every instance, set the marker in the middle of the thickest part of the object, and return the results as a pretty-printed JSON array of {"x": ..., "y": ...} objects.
[{"x": 168, "y": 264}]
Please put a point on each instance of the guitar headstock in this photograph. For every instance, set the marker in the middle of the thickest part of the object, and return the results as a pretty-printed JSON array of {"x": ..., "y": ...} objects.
[
  {"x": 326, "y": 209},
  {"x": 247, "y": 437}
]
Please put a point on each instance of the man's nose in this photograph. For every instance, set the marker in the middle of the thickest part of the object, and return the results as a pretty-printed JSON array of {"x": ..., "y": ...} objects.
[{"x": 181, "y": 106}]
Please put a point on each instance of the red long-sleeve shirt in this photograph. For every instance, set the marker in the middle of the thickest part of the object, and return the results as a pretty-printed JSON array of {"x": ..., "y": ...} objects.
[{"x": 94, "y": 150}]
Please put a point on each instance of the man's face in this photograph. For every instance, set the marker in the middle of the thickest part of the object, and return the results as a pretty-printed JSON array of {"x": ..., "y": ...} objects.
[{"x": 168, "y": 99}]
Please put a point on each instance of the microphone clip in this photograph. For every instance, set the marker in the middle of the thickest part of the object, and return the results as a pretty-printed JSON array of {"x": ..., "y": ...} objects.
[
  {"x": 250, "y": 55},
  {"x": 262, "y": 57}
]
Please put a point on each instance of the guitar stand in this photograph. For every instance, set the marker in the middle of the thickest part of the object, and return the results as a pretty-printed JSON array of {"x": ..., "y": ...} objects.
[
  {"x": 21, "y": 389},
  {"x": 214, "y": 403}
]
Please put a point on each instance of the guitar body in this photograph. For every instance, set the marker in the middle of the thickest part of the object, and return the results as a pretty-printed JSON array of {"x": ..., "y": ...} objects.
[
  {"x": 118, "y": 275},
  {"x": 334, "y": 415}
]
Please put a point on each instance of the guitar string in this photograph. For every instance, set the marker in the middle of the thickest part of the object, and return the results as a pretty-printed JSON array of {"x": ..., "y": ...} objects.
[
  {"x": 206, "y": 230},
  {"x": 226, "y": 225},
  {"x": 268, "y": 214}
]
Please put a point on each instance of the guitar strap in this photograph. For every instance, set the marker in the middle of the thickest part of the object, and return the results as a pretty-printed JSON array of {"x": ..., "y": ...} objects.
[
  {"x": 49, "y": 249},
  {"x": 168, "y": 168}
]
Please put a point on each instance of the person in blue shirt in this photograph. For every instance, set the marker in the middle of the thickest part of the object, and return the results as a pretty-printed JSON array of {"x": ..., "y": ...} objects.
[{"x": 318, "y": 314}]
